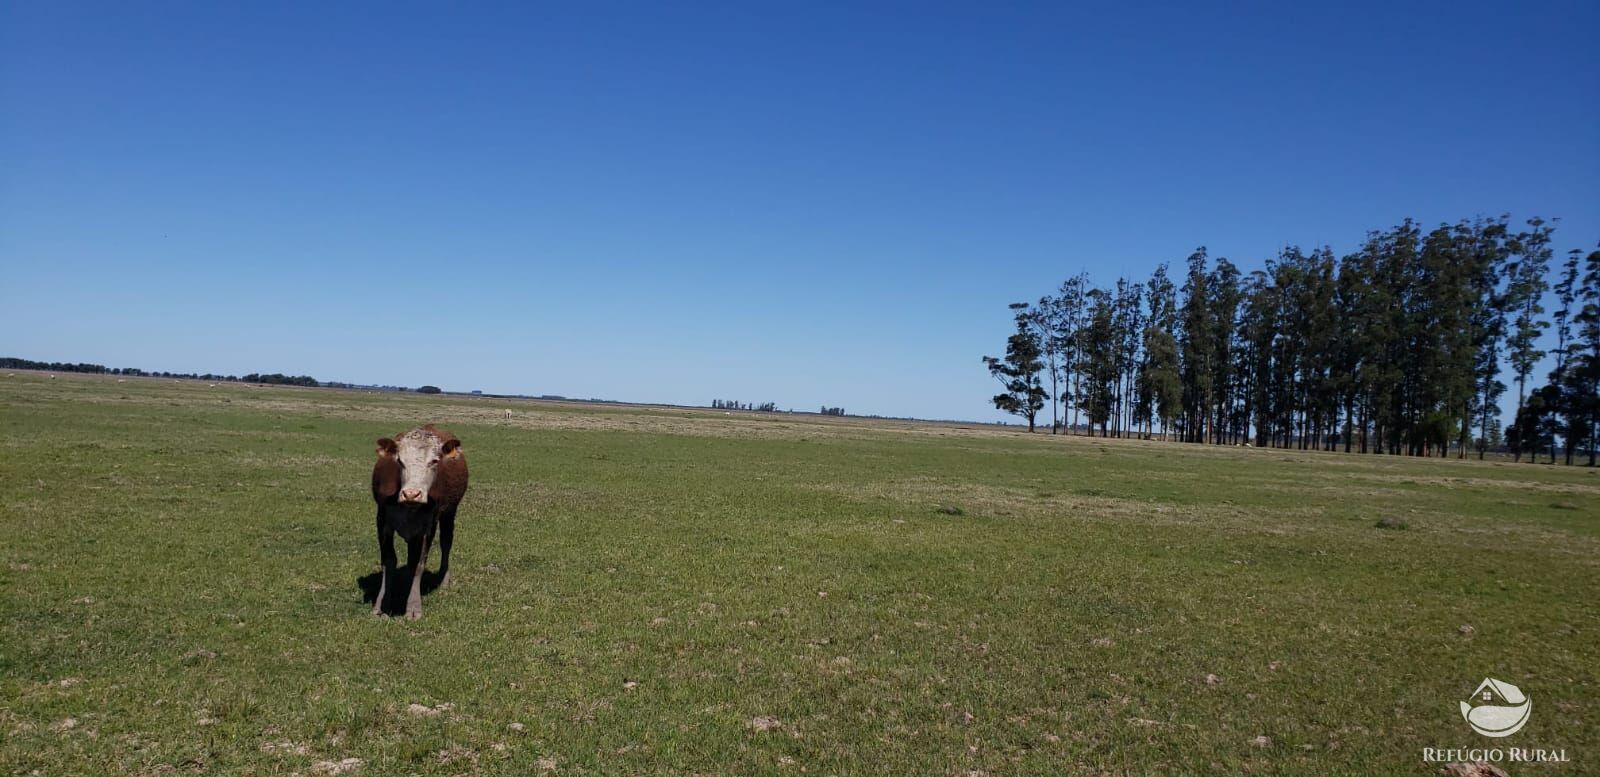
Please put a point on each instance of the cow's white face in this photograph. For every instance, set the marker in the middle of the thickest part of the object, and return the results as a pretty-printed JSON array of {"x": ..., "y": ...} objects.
[{"x": 419, "y": 455}]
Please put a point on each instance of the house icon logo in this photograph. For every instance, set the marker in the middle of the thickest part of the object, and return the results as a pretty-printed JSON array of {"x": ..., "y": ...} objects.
[{"x": 1496, "y": 709}]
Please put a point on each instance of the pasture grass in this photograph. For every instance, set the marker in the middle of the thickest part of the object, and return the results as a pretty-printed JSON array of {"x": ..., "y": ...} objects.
[{"x": 650, "y": 590}]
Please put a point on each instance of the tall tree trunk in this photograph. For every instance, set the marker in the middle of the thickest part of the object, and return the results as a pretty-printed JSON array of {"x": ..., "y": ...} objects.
[
  {"x": 1055, "y": 420},
  {"x": 1076, "y": 384}
]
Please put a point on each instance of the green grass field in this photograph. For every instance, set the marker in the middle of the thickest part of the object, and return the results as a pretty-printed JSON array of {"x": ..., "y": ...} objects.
[{"x": 674, "y": 591}]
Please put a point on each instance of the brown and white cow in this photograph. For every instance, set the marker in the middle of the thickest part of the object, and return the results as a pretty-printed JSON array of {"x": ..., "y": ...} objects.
[{"x": 418, "y": 482}]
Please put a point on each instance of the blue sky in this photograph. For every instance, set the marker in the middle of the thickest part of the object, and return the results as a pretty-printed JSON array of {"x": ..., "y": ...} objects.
[{"x": 803, "y": 203}]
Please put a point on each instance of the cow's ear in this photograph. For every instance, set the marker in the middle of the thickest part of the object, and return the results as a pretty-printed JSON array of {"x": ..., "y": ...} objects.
[
  {"x": 451, "y": 446},
  {"x": 387, "y": 446}
]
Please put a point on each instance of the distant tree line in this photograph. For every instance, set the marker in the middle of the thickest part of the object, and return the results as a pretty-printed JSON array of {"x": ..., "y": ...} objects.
[
  {"x": 13, "y": 363},
  {"x": 832, "y": 410},
  {"x": 1396, "y": 348},
  {"x": 281, "y": 379},
  {"x": 731, "y": 404},
  {"x": 272, "y": 378}
]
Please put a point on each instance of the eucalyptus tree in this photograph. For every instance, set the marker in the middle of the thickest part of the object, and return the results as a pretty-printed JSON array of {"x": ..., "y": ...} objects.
[
  {"x": 1288, "y": 379},
  {"x": 1370, "y": 324},
  {"x": 1566, "y": 289},
  {"x": 1586, "y": 354},
  {"x": 1397, "y": 275},
  {"x": 1317, "y": 319},
  {"x": 1160, "y": 384},
  {"x": 1567, "y": 383},
  {"x": 1222, "y": 309},
  {"x": 1045, "y": 320},
  {"x": 1576, "y": 376},
  {"x": 1099, "y": 360},
  {"x": 1488, "y": 251},
  {"x": 1349, "y": 293},
  {"x": 1072, "y": 304},
  {"x": 1195, "y": 349},
  {"x": 1018, "y": 372},
  {"x": 1446, "y": 348},
  {"x": 1128, "y": 326},
  {"x": 1525, "y": 288},
  {"x": 1257, "y": 335}
]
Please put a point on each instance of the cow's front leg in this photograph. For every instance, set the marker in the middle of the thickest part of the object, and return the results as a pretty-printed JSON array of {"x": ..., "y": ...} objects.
[
  {"x": 417, "y": 555},
  {"x": 387, "y": 559}
]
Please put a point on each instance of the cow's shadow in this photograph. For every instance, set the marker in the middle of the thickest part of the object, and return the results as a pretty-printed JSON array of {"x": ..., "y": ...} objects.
[{"x": 394, "y": 599}]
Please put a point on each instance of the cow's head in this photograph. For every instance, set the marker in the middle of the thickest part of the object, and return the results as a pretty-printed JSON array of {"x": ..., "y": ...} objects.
[{"x": 415, "y": 458}]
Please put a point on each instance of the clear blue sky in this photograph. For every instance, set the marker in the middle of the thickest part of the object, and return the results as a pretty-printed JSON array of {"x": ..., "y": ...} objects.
[{"x": 804, "y": 203}]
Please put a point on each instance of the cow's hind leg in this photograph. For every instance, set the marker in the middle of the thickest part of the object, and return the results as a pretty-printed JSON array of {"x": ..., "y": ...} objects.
[
  {"x": 417, "y": 557},
  {"x": 387, "y": 559},
  {"x": 447, "y": 532}
]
